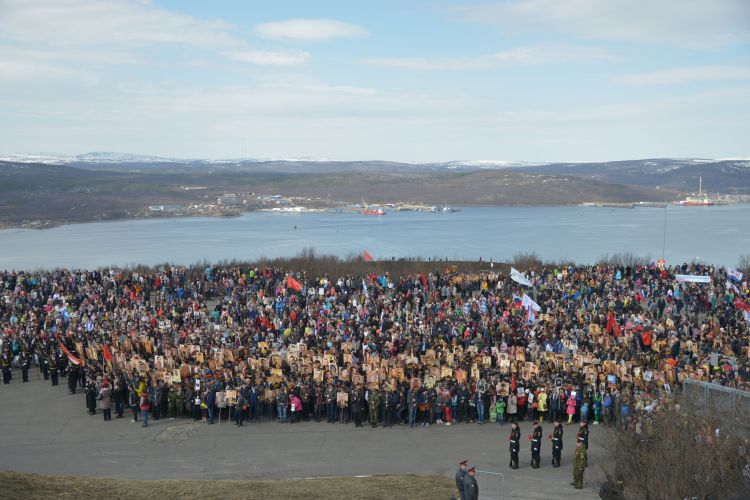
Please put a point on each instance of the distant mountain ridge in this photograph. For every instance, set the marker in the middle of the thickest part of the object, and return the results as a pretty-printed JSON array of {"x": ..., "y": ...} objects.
[{"x": 100, "y": 186}]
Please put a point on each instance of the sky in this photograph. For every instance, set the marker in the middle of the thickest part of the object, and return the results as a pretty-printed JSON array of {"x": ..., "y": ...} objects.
[{"x": 420, "y": 80}]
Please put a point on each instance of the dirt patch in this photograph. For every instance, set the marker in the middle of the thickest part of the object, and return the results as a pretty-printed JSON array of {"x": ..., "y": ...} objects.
[
  {"x": 15, "y": 485},
  {"x": 176, "y": 433}
]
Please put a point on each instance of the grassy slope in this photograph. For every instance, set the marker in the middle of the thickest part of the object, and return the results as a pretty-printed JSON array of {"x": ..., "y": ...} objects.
[{"x": 15, "y": 485}]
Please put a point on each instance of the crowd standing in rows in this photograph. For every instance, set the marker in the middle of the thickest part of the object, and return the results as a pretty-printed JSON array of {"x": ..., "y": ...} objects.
[{"x": 587, "y": 344}]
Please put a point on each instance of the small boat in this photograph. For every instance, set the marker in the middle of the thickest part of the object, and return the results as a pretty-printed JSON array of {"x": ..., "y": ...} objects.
[{"x": 371, "y": 210}]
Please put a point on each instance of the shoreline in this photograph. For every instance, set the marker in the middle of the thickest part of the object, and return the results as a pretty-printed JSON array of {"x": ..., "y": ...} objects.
[{"x": 50, "y": 224}]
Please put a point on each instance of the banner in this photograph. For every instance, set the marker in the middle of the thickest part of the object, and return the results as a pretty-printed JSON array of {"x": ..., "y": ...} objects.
[
  {"x": 73, "y": 359},
  {"x": 516, "y": 276},
  {"x": 689, "y": 278},
  {"x": 366, "y": 256}
]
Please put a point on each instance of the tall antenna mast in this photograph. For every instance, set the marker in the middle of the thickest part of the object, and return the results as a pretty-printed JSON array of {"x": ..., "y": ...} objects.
[{"x": 700, "y": 185}]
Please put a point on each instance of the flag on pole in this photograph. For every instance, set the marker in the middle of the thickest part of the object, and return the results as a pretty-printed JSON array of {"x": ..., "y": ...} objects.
[
  {"x": 364, "y": 289},
  {"x": 366, "y": 255},
  {"x": 733, "y": 287},
  {"x": 529, "y": 303},
  {"x": 517, "y": 302},
  {"x": 735, "y": 275},
  {"x": 293, "y": 284}
]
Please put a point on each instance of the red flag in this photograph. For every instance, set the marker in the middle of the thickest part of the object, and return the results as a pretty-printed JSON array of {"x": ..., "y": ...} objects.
[
  {"x": 740, "y": 304},
  {"x": 366, "y": 255},
  {"x": 105, "y": 352},
  {"x": 293, "y": 284},
  {"x": 513, "y": 383},
  {"x": 611, "y": 323}
]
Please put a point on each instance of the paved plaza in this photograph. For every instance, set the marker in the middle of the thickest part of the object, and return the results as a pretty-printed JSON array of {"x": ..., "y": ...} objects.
[{"x": 47, "y": 431}]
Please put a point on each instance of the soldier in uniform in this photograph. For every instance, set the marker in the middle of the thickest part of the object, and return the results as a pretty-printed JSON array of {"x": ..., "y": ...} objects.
[
  {"x": 172, "y": 401},
  {"x": 557, "y": 443},
  {"x": 583, "y": 434},
  {"x": 389, "y": 405},
  {"x": 25, "y": 360},
  {"x": 536, "y": 445},
  {"x": 355, "y": 406},
  {"x": 44, "y": 363},
  {"x": 460, "y": 474},
  {"x": 53, "y": 369},
  {"x": 73, "y": 378},
  {"x": 5, "y": 363},
  {"x": 374, "y": 405},
  {"x": 580, "y": 462},
  {"x": 515, "y": 445},
  {"x": 471, "y": 488}
]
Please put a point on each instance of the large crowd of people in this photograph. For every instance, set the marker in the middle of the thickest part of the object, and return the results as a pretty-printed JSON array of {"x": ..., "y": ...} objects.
[{"x": 596, "y": 344}]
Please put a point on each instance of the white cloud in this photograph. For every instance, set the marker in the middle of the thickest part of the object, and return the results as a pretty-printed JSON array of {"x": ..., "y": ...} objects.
[
  {"x": 309, "y": 30},
  {"x": 676, "y": 76},
  {"x": 105, "y": 22},
  {"x": 515, "y": 56},
  {"x": 45, "y": 34},
  {"x": 271, "y": 58},
  {"x": 688, "y": 23}
]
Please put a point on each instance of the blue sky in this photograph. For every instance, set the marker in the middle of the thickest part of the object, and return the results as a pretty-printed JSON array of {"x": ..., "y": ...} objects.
[{"x": 525, "y": 80}]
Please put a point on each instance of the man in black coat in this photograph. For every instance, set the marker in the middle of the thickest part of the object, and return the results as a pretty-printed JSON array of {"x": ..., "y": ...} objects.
[
  {"x": 515, "y": 445},
  {"x": 557, "y": 444},
  {"x": 536, "y": 445}
]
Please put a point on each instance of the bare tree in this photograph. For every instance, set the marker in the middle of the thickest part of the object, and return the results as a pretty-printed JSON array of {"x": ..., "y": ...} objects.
[{"x": 681, "y": 452}]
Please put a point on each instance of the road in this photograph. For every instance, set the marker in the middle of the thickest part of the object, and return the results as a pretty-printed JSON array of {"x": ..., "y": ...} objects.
[{"x": 46, "y": 430}]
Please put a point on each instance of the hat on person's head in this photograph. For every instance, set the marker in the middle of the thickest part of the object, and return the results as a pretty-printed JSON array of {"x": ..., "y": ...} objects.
[
  {"x": 471, "y": 469},
  {"x": 463, "y": 462}
]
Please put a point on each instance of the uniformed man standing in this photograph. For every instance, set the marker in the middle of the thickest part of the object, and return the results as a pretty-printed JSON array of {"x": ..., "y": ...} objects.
[
  {"x": 583, "y": 435},
  {"x": 471, "y": 488},
  {"x": 557, "y": 444},
  {"x": 355, "y": 405},
  {"x": 53, "y": 369},
  {"x": 580, "y": 462},
  {"x": 25, "y": 360},
  {"x": 374, "y": 403},
  {"x": 515, "y": 445},
  {"x": 536, "y": 445},
  {"x": 460, "y": 474}
]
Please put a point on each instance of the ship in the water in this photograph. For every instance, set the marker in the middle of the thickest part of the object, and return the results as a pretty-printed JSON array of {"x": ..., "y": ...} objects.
[
  {"x": 369, "y": 210},
  {"x": 700, "y": 199}
]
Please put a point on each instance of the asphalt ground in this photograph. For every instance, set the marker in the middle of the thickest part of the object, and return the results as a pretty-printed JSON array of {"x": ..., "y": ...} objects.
[{"x": 45, "y": 430}]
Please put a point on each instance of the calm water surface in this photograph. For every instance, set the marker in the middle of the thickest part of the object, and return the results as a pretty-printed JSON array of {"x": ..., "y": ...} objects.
[{"x": 717, "y": 234}]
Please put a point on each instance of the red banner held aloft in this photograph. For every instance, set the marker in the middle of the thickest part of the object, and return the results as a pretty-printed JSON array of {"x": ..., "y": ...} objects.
[
  {"x": 366, "y": 255},
  {"x": 293, "y": 284}
]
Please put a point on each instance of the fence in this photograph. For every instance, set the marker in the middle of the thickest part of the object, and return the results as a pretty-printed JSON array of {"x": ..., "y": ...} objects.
[
  {"x": 716, "y": 398},
  {"x": 491, "y": 485}
]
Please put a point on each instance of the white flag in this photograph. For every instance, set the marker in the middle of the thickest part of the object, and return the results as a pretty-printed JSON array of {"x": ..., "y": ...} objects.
[
  {"x": 528, "y": 303},
  {"x": 516, "y": 276},
  {"x": 731, "y": 285},
  {"x": 735, "y": 275}
]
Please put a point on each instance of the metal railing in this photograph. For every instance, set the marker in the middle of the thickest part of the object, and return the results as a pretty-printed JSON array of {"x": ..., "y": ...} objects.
[
  {"x": 716, "y": 398},
  {"x": 491, "y": 485}
]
